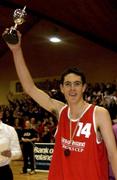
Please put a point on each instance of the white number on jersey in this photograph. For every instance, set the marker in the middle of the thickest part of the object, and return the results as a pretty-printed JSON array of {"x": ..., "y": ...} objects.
[{"x": 85, "y": 130}]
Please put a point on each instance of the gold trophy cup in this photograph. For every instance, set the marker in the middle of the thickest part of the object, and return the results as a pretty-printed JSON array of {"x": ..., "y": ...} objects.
[{"x": 18, "y": 18}]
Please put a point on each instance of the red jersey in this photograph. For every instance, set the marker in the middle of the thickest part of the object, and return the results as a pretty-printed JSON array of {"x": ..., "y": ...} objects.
[{"x": 88, "y": 157}]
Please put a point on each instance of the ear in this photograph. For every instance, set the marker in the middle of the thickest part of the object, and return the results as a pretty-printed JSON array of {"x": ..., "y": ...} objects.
[
  {"x": 61, "y": 88},
  {"x": 84, "y": 87}
]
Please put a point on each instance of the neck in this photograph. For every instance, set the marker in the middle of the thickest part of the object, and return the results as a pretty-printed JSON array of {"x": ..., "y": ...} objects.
[{"x": 77, "y": 110}]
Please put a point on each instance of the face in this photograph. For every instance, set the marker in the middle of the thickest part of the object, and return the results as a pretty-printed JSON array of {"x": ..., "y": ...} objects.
[
  {"x": 73, "y": 88},
  {"x": 27, "y": 124},
  {"x": 32, "y": 120},
  {"x": 45, "y": 128}
]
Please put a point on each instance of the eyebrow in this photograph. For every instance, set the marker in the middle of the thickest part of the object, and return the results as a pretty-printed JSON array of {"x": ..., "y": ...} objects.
[{"x": 73, "y": 81}]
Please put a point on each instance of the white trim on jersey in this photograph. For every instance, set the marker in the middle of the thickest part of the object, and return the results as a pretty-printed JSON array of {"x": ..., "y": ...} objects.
[
  {"x": 59, "y": 118},
  {"x": 94, "y": 125},
  {"x": 77, "y": 119}
]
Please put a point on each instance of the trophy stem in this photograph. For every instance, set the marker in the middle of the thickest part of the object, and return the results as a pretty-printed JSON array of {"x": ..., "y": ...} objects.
[{"x": 15, "y": 26}]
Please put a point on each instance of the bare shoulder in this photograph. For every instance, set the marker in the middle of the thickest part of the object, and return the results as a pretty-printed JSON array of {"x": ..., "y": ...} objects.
[
  {"x": 101, "y": 111},
  {"x": 102, "y": 116}
]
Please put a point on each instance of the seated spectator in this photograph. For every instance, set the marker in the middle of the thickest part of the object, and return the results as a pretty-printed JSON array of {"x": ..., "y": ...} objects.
[{"x": 46, "y": 135}]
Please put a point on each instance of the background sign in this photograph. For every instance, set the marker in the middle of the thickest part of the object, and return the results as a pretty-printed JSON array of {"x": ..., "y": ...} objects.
[{"x": 43, "y": 155}]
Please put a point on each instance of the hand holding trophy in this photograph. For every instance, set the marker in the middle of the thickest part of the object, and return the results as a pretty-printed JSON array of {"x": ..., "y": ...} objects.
[{"x": 18, "y": 17}]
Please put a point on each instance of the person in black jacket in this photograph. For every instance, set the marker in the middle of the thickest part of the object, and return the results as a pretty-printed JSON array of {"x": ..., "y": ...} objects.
[{"x": 29, "y": 136}]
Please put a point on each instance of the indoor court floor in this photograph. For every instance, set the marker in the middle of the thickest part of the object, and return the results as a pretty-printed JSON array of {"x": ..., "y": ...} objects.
[{"x": 16, "y": 168}]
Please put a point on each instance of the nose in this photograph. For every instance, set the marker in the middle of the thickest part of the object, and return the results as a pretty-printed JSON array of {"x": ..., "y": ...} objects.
[{"x": 72, "y": 86}]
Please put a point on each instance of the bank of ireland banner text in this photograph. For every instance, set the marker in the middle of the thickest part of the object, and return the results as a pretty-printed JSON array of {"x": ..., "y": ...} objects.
[{"x": 43, "y": 154}]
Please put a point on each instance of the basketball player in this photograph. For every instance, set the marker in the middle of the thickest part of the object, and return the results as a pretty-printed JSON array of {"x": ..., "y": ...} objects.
[{"x": 84, "y": 137}]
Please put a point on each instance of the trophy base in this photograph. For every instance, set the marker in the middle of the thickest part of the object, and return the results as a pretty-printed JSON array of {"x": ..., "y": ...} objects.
[{"x": 11, "y": 37}]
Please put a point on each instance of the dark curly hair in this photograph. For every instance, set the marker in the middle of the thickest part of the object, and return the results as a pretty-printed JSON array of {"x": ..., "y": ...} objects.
[{"x": 73, "y": 70}]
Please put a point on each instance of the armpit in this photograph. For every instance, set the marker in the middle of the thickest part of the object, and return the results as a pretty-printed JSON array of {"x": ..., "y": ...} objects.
[{"x": 98, "y": 136}]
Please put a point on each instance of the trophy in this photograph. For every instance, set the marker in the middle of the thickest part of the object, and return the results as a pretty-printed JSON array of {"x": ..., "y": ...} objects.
[{"x": 18, "y": 18}]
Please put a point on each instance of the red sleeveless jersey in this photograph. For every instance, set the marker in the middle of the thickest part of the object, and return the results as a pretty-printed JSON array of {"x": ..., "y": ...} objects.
[{"x": 88, "y": 158}]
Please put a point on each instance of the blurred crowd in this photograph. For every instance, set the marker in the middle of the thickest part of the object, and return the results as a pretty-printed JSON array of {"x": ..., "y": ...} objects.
[{"x": 22, "y": 107}]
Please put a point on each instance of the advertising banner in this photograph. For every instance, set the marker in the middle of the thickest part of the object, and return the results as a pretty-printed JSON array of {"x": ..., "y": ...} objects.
[{"x": 43, "y": 155}]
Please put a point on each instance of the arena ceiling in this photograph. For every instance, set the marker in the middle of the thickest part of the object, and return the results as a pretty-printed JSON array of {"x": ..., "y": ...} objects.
[{"x": 94, "y": 20}]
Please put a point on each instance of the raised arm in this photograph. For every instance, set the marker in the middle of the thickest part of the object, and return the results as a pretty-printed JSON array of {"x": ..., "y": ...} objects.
[
  {"x": 42, "y": 98},
  {"x": 103, "y": 123}
]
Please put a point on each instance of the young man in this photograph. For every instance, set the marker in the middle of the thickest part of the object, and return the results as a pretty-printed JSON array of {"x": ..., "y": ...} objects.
[
  {"x": 84, "y": 135},
  {"x": 9, "y": 149}
]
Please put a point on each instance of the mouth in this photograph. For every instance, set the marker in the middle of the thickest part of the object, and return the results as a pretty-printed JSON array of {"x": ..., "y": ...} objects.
[{"x": 72, "y": 94}]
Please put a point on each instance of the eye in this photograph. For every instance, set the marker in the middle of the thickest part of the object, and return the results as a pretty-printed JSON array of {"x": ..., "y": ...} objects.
[
  {"x": 67, "y": 84},
  {"x": 77, "y": 83}
]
